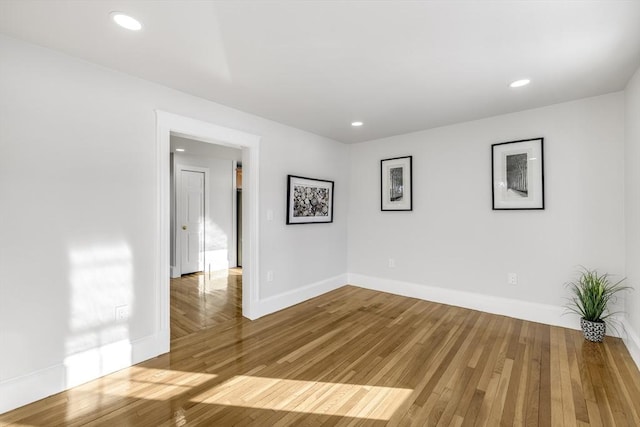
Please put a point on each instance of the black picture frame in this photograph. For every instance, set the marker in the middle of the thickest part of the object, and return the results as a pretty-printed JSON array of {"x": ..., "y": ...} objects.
[
  {"x": 396, "y": 184},
  {"x": 517, "y": 175},
  {"x": 309, "y": 200}
]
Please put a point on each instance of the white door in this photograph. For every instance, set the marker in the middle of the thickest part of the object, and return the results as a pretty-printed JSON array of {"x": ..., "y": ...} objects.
[{"x": 191, "y": 221}]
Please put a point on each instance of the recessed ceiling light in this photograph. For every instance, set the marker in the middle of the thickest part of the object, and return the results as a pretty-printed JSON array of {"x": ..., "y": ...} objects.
[
  {"x": 520, "y": 83},
  {"x": 126, "y": 21},
  {"x": 356, "y": 124},
  {"x": 179, "y": 149}
]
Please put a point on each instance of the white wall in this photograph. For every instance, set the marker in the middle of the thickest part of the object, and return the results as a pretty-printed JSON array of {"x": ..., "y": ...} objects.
[
  {"x": 632, "y": 205},
  {"x": 453, "y": 244},
  {"x": 78, "y": 237}
]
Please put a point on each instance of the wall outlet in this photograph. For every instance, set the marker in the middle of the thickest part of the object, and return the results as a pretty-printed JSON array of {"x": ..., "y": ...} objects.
[
  {"x": 122, "y": 312},
  {"x": 512, "y": 279},
  {"x": 269, "y": 276},
  {"x": 392, "y": 263}
]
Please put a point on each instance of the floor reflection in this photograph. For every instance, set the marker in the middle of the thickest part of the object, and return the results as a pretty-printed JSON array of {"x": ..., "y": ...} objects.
[{"x": 202, "y": 300}]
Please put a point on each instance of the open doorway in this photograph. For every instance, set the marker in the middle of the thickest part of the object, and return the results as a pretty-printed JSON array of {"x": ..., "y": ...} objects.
[
  {"x": 206, "y": 284},
  {"x": 169, "y": 124},
  {"x": 204, "y": 218}
]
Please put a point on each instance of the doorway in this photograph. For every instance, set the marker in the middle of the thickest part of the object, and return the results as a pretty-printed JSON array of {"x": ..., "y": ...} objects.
[
  {"x": 204, "y": 221},
  {"x": 206, "y": 285},
  {"x": 171, "y": 124}
]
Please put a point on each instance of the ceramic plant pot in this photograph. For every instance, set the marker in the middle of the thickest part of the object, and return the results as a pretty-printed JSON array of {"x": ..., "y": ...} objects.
[{"x": 593, "y": 331}]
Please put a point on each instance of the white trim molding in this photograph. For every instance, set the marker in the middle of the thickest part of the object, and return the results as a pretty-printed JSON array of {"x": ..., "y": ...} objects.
[
  {"x": 250, "y": 229},
  {"x": 175, "y": 272},
  {"x": 74, "y": 371},
  {"x": 168, "y": 124},
  {"x": 233, "y": 255},
  {"x": 632, "y": 341},
  {"x": 287, "y": 299},
  {"x": 518, "y": 309}
]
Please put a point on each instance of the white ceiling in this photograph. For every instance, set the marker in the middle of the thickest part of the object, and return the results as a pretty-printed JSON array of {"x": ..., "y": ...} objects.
[
  {"x": 204, "y": 149},
  {"x": 398, "y": 66}
]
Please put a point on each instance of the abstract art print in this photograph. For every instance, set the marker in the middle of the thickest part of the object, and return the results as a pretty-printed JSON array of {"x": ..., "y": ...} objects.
[
  {"x": 517, "y": 174},
  {"x": 309, "y": 201},
  {"x": 396, "y": 186}
]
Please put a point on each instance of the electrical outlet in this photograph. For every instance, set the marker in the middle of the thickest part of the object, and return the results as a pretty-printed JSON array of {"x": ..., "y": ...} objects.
[
  {"x": 269, "y": 276},
  {"x": 512, "y": 279},
  {"x": 122, "y": 312},
  {"x": 392, "y": 263}
]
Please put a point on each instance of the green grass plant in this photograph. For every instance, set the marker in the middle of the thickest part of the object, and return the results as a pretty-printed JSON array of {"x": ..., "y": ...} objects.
[{"x": 592, "y": 293}]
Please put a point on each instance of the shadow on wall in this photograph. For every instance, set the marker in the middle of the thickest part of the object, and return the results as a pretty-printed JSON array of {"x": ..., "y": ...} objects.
[{"x": 101, "y": 304}]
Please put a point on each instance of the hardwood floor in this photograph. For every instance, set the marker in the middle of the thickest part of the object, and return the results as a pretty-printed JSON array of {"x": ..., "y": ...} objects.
[
  {"x": 357, "y": 357},
  {"x": 199, "y": 301}
]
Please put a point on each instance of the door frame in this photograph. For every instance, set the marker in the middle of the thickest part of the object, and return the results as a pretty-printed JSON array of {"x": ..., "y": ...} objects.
[
  {"x": 179, "y": 211},
  {"x": 233, "y": 257},
  {"x": 167, "y": 124}
]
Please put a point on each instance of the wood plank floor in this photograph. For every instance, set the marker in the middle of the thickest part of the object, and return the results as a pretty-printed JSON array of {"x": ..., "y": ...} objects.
[
  {"x": 200, "y": 301},
  {"x": 357, "y": 357}
]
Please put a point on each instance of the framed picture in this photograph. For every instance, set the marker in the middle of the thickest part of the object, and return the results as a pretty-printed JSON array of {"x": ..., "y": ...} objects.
[
  {"x": 396, "y": 187},
  {"x": 309, "y": 200},
  {"x": 518, "y": 174}
]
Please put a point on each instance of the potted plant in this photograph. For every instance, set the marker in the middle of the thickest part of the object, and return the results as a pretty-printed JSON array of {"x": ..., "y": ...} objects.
[{"x": 592, "y": 293}]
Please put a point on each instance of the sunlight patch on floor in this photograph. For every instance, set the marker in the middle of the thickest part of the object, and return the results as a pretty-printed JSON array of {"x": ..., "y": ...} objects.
[
  {"x": 140, "y": 381},
  {"x": 312, "y": 397},
  {"x": 134, "y": 383}
]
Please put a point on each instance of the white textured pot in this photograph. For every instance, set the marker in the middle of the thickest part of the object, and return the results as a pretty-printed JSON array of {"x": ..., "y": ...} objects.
[{"x": 593, "y": 331}]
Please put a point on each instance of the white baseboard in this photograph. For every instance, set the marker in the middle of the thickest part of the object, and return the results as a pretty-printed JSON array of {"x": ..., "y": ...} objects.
[
  {"x": 281, "y": 301},
  {"x": 75, "y": 370},
  {"x": 632, "y": 341},
  {"x": 175, "y": 272},
  {"x": 19, "y": 391},
  {"x": 541, "y": 313},
  {"x": 518, "y": 309},
  {"x": 16, "y": 392}
]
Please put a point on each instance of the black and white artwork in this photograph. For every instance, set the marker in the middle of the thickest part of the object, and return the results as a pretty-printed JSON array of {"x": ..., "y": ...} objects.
[
  {"x": 309, "y": 200},
  {"x": 518, "y": 176},
  {"x": 396, "y": 191},
  {"x": 397, "y": 188}
]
